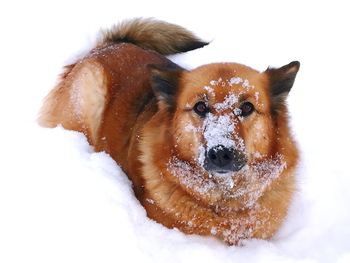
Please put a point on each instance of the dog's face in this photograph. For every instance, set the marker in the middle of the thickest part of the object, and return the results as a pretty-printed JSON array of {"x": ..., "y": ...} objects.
[{"x": 223, "y": 125}]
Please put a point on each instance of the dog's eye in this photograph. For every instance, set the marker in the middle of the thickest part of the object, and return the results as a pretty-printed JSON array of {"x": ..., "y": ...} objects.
[
  {"x": 201, "y": 108},
  {"x": 246, "y": 109}
]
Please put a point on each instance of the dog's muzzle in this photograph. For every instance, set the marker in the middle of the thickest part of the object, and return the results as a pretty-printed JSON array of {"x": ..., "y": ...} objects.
[{"x": 220, "y": 159}]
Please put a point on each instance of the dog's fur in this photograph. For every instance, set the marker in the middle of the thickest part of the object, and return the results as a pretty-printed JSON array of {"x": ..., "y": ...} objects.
[{"x": 135, "y": 104}]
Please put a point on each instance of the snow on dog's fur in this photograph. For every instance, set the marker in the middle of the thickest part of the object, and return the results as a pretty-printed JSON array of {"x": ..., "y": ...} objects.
[{"x": 208, "y": 151}]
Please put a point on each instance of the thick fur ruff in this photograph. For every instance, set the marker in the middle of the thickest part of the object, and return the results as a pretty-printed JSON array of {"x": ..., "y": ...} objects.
[{"x": 209, "y": 150}]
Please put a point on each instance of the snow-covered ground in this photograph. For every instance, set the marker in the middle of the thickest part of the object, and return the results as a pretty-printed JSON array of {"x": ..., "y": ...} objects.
[{"x": 61, "y": 202}]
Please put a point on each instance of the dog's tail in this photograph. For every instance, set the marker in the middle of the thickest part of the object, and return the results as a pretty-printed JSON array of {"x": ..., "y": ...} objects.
[{"x": 163, "y": 37}]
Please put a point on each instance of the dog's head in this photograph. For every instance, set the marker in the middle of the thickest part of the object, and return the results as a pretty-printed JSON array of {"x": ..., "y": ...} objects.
[{"x": 226, "y": 127}]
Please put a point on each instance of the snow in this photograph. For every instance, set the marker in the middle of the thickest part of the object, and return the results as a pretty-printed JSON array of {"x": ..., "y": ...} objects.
[
  {"x": 216, "y": 131},
  {"x": 229, "y": 101},
  {"x": 190, "y": 177},
  {"x": 232, "y": 81},
  {"x": 259, "y": 175},
  {"x": 62, "y": 202},
  {"x": 235, "y": 80}
]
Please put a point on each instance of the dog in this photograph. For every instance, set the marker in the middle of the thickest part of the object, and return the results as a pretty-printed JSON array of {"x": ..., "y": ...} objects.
[{"x": 209, "y": 150}]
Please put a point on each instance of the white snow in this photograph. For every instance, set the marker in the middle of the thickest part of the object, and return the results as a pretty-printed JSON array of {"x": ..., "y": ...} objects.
[
  {"x": 216, "y": 82},
  {"x": 62, "y": 202},
  {"x": 235, "y": 80},
  {"x": 228, "y": 103},
  {"x": 217, "y": 130}
]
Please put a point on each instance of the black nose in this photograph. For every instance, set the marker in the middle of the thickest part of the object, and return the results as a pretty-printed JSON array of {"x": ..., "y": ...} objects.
[
  {"x": 223, "y": 159},
  {"x": 220, "y": 156}
]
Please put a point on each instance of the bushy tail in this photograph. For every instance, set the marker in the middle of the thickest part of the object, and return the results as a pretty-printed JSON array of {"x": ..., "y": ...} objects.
[{"x": 163, "y": 37}]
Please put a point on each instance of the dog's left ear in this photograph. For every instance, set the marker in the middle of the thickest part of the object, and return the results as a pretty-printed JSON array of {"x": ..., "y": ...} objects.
[
  {"x": 281, "y": 82},
  {"x": 164, "y": 82}
]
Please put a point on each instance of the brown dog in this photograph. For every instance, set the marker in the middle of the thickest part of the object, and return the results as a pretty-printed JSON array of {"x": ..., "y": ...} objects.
[{"x": 208, "y": 151}]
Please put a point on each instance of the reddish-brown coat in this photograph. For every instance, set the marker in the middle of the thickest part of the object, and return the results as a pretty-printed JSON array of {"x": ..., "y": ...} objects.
[{"x": 140, "y": 134}]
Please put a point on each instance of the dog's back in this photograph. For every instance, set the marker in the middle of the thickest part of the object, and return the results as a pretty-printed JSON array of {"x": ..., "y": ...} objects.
[{"x": 105, "y": 91}]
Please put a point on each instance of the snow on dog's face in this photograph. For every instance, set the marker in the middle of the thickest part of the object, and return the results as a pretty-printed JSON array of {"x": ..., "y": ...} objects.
[{"x": 224, "y": 130}]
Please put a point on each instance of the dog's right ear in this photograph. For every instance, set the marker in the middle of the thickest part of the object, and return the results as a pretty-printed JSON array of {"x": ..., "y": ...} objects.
[{"x": 164, "y": 82}]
